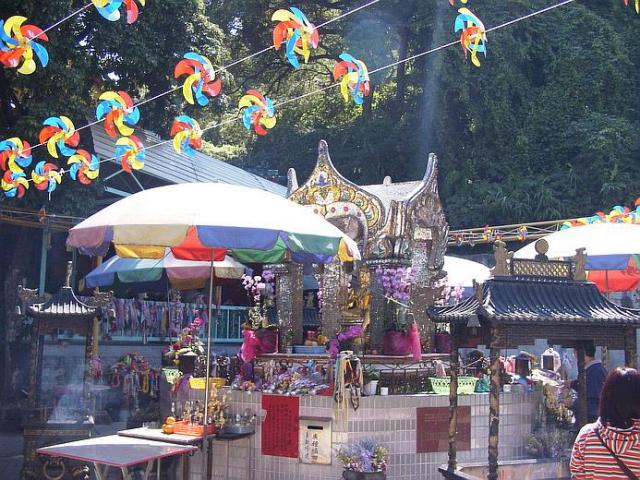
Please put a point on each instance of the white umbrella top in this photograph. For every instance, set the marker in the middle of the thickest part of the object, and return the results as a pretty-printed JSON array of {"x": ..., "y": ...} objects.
[{"x": 462, "y": 272}]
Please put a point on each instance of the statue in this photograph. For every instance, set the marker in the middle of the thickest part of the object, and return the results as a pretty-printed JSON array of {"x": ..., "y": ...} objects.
[
  {"x": 580, "y": 264},
  {"x": 501, "y": 256}
]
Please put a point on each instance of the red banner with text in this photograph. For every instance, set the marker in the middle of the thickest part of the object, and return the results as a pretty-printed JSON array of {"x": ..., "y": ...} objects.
[{"x": 281, "y": 426}]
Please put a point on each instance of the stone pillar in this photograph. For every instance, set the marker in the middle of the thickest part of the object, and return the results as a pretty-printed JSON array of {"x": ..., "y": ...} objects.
[
  {"x": 331, "y": 316},
  {"x": 289, "y": 304},
  {"x": 494, "y": 413},
  {"x": 631, "y": 348},
  {"x": 582, "y": 413},
  {"x": 453, "y": 401},
  {"x": 378, "y": 310}
]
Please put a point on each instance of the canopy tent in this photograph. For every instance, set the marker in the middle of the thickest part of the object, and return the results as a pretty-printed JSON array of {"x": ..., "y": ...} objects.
[
  {"x": 612, "y": 253},
  {"x": 462, "y": 272},
  {"x": 203, "y": 221},
  {"x": 181, "y": 274}
]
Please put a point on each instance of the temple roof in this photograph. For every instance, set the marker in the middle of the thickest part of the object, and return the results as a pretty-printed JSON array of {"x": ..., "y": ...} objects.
[
  {"x": 388, "y": 191},
  {"x": 64, "y": 303},
  {"x": 538, "y": 301}
]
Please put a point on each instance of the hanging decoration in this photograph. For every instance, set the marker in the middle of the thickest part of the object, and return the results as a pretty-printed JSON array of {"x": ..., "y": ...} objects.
[
  {"x": 453, "y": 2},
  {"x": 110, "y": 9},
  {"x": 117, "y": 111},
  {"x": 297, "y": 32},
  {"x": 18, "y": 45},
  {"x": 187, "y": 135},
  {"x": 46, "y": 176},
  {"x": 84, "y": 167},
  {"x": 200, "y": 79},
  {"x": 473, "y": 36},
  {"x": 522, "y": 233},
  {"x": 637, "y": 4},
  {"x": 618, "y": 214},
  {"x": 355, "y": 78},
  {"x": 15, "y": 155},
  {"x": 60, "y": 134},
  {"x": 14, "y": 184},
  {"x": 130, "y": 153},
  {"x": 258, "y": 112}
]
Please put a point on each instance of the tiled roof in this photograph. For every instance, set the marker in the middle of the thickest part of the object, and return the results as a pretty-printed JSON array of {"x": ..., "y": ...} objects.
[
  {"x": 64, "y": 303},
  {"x": 538, "y": 300},
  {"x": 164, "y": 163}
]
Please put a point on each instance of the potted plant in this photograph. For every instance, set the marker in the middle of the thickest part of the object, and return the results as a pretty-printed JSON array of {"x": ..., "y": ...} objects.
[
  {"x": 371, "y": 377},
  {"x": 363, "y": 460}
]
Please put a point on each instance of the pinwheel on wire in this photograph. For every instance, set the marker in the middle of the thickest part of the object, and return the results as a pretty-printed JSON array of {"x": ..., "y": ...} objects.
[
  {"x": 258, "y": 112},
  {"x": 473, "y": 36},
  {"x": 60, "y": 134},
  {"x": 355, "y": 78},
  {"x": 46, "y": 176},
  {"x": 117, "y": 111},
  {"x": 453, "y": 2},
  {"x": 18, "y": 45},
  {"x": 84, "y": 167},
  {"x": 15, "y": 154},
  {"x": 200, "y": 79},
  {"x": 110, "y": 9},
  {"x": 186, "y": 134},
  {"x": 130, "y": 153},
  {"x": 14, "y": 184},
  {"x": 298, "y": 33}
]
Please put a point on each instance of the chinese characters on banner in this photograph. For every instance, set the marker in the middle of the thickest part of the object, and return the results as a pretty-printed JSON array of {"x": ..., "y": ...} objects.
[
  {"x": 281, "y": 426},
  {"x": 433, "y": 429}
]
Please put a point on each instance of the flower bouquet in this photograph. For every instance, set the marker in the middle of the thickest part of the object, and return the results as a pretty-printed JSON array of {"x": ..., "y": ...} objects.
[
  {"x": 363, "y": 460},
  {"x": 188, "y": 344},
  {"x": 344, "y": 340}
]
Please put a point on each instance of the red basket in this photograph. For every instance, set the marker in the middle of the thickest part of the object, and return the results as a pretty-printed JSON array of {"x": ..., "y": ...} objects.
[{"x": 185, "y": 427}]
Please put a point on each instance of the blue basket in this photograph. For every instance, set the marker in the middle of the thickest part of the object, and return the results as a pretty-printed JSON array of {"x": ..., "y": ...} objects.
[{"x": 309, "y": 350}]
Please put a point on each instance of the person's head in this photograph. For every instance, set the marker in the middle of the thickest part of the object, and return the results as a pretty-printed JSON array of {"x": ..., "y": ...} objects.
[
  {"x": 589, "y": 349},
  {"x": 620, "y": 398}
]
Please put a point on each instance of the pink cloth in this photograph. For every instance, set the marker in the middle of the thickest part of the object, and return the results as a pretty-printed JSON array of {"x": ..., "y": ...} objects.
[
  {"x": 416, "y": 349},
  {"x": 250, "y": 344}
]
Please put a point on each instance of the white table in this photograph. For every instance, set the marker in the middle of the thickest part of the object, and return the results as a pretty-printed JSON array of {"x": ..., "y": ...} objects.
[{"x": 115, "y": 451}]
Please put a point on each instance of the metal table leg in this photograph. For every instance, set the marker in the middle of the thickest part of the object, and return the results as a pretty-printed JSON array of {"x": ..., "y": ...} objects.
[{"x": 102, "y": 471}]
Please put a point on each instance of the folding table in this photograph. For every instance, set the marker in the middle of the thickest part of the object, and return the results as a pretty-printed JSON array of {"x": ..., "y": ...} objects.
[{"x": 115, "y": 451}]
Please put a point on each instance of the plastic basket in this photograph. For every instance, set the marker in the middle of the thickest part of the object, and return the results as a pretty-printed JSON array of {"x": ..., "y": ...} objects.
[
  {"x": 198, "y": 383},
  {"x": 185, "y": 427},
  {"x": 440, "y": 386}
]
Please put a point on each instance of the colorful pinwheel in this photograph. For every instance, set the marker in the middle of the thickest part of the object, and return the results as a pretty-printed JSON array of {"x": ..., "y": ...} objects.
[
  {"x": 14, "y": 184},
  {"x": 110, "y": 9},
  {"x": 257, "y": 111},
  {"x": 84, "y": 168},
  {"x": 117, "y": 110},
  {"x": 200, "y": 78},
  {"x": 637, "y": 3},
  {"x": 61, "y": 133},
  {"x": 355, "y": 78},
  {"x": 15, "y": 155},
  {"x": 17, "y": 45},
  {"x": 452, "y": 2},
  {"x": 187, "y": 135},
  {"x": 298, "y": 32},
  {"x": 130, "y": 153},
  {"x": 473, "y": 35},
  {"x": 46, "y": 176}
]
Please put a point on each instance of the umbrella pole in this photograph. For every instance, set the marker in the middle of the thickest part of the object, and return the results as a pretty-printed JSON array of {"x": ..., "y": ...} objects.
[
  {"x": 205, "y": 442},
  {"x": 606, "y": 283}
]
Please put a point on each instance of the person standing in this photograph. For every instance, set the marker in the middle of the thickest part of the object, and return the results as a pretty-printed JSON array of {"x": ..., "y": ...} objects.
[
  {"x": 610, "y": 447},
  {"x": 595, "y": 375}
]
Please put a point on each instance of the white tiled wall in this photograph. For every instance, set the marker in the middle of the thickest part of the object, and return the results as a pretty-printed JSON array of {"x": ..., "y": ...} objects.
[{"x": 391, "y": 420}]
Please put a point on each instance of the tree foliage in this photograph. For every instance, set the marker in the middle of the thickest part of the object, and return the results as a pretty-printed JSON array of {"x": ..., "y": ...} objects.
[{"x": 545, "y": 128}]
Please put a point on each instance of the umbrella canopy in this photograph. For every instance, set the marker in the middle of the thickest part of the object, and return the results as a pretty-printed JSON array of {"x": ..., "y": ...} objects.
[
  {"x": 609, "y": 246},
  {"x": 182, "y": 274},
  {"x": 462, "y": 272},
  {"x": 202, "y": 221}
]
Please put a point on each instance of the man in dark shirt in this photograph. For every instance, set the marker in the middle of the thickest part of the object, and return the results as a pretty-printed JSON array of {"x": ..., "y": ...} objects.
[{"x": 595, "y": 374}]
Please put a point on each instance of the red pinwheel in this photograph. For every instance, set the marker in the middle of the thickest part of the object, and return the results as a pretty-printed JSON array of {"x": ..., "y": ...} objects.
[
  {"x": 200, "y": 79},
  {"x": 298, "y": 33},
  {"x": 14, "y": 184},
  {"x": 18, "y": 46},
  {"x": 15, "y": 154},
  {"x": 258, "y": 112},
  {"x": 84, "y": 167},
  {"x": 60, "y": 133},
  {"x": 187, "y": 135},
  {"x": 46, "y": 176},
  {"x": 130, "y": 152}
]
